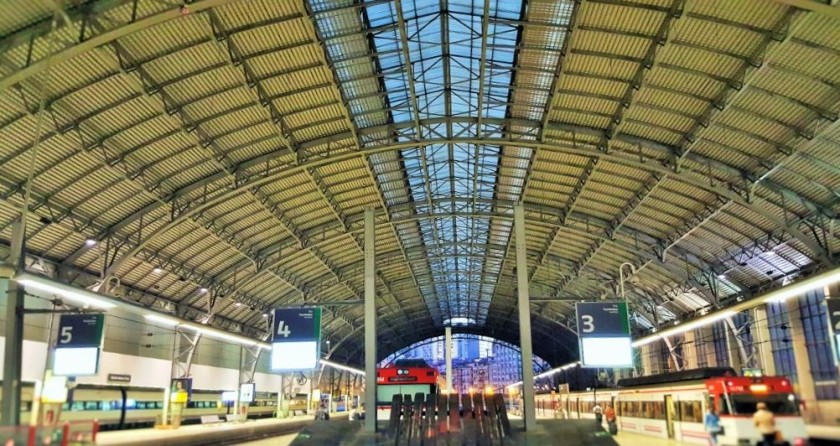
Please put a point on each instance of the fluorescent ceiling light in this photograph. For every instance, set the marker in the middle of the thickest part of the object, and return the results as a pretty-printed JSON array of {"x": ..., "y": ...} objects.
[
  {"x": 800, "y": 288},
  {"x": 684, "y": 327},
  {"x": 79, "y": 296},
  {"x": 342, "y": 367},
  {"x": 170, "y": 321}
]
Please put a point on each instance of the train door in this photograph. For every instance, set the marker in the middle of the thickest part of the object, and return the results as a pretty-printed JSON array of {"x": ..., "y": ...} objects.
[{"x": 670, "y": 414}]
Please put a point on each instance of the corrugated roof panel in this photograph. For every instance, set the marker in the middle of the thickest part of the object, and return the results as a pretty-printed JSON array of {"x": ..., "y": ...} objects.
[
  {"x": 619, "y": 17},
  {"x": 754, "y": 12}
]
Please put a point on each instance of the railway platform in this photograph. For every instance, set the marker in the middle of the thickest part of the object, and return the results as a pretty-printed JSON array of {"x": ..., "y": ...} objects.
[{"x": 206, "y": 435}]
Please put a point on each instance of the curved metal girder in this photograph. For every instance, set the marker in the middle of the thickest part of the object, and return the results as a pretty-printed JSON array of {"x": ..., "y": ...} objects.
[{"x": 727, "y": 191}]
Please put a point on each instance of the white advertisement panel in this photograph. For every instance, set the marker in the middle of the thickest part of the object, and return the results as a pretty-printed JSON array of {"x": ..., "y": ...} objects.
[{"x": 606, "y": 352}]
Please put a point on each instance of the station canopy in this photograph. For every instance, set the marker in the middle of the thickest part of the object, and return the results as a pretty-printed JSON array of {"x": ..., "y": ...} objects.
[{"x": 215, "y": 158}]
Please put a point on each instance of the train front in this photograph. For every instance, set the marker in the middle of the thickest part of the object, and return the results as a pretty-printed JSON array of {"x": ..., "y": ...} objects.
[{"x": 736, "y": 399}]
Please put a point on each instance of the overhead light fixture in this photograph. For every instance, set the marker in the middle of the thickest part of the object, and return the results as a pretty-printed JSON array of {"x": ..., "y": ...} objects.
[
  {"x": 202, "y": 290},
  {"x": 721, "y": 276},
  {"x": 90, "y": 242},
  {"x": 157, "y": 270},
  {"x": 67, "y": 292},
  {"x": 265, "y": 314},
  {"x": 237, "y": 304}
]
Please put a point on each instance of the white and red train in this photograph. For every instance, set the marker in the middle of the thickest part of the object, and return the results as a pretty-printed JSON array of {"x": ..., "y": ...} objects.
[
  {"x": 404, "y": 377},
  {"x": 674, "y": 405}
]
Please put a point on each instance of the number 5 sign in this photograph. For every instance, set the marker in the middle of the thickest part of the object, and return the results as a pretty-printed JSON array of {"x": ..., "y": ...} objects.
[{"x": 80, "y": 330}]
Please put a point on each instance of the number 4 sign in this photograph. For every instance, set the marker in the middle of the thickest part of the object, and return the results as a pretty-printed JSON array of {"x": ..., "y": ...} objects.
[
  {"x": 283, "y": 329},
  {"x": 297, "y": 324},
  {"x": 834, "y": 314}
]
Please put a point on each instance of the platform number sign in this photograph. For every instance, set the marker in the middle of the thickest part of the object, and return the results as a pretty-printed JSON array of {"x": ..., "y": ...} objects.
[
  {"x": 297, "y": 324},
  {"x": 834, "y": 314},
  {"x": 78, "y": 344},
  {"x": 602, "y": 319},
  {"x": 604, "y": 334},
  {"x": 833, "y": 310},
  {"x": 80, "y": 330},
  {"x": 296, "y": 339}
]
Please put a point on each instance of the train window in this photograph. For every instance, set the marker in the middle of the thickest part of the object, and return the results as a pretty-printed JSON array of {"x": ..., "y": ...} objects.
[
  {"x": 779, "y": 404},
  {"x": 91, "y": 405},
  {"x": 65, "y": 406},
  {"x": 78, "y": 405},
  {"x": 690, "y": 411}
]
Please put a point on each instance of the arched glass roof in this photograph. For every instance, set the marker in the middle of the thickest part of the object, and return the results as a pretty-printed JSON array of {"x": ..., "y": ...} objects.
[{"x": 233, "y": 146}]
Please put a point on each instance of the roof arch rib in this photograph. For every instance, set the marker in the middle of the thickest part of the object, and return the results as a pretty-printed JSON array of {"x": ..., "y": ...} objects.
[{"x": 219, "y": 156}]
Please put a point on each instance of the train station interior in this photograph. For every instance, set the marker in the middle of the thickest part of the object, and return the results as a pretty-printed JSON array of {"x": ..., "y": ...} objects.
[{"x": 364, "y": 222}]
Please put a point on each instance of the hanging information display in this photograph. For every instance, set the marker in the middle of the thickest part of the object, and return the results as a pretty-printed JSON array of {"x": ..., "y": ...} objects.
[
  {"x": 833, "y": 310},
  {"x": 296, "y": 339},
  {"x": 78, "y": 345},
  {"x": 604, "y": 334}
]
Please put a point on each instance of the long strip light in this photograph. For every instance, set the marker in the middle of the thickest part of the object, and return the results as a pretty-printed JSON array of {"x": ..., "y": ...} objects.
[
  {"x": 684, "y": 327},
  {"x": 776, "y": 296},
  {"x": 547, "y": 373},
  {"x": 92, "y": 299},
  {"x": 346, "y": 368},
  {"x": 76, "y": 295}
]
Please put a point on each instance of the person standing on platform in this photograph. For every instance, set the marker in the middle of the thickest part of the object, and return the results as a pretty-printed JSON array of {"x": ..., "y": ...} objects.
[
  {"x": 765, "y": 422},
  {"x": 712, "y": 425},
  {"x": 599, "y": 413},
  {"x": 609, "y": 414}
]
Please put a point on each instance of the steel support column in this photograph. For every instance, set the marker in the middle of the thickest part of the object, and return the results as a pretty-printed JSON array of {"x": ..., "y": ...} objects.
[
  {"x": 448, "y": 355},
  {"x": 13, "y": 355},
  {"x": 529, "y": 413},
  {"x": 370, "y": 322}
]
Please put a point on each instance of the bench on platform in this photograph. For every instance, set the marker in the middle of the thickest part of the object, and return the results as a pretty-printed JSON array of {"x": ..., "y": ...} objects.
[
  {"x": 211, "y": 419},
  {"x": 237, "y": 417}
]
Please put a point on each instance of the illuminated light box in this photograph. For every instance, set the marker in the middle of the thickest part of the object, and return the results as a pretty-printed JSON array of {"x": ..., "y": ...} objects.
[
  {"x": 294, "y": 356},
  {"x": 76, "y": 361},
  {"x": 606, "y": 352},
  {"x": 229, "y": 396}
]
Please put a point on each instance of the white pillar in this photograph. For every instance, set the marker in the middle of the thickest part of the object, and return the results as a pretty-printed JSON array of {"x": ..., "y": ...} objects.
[
  {"x": 448, "y": 356},
  {"x": 832, "y": 291},
  {"x": 805, "y": 381},
  {"x": 529, "y": 412},
  {"x": 370, "y": 323},
  {"x": 761, "y": 339},
  {"x": 733, "y": 351},
  {"x": 689, "y": 350},
  {"x": 644, "y": 353}
]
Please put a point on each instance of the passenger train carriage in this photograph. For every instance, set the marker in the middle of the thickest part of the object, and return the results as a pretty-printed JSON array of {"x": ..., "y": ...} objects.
[
  {"x": 404, "y": 377},
  {"x": 143, "y": 405},
  {"x": 674, "y": 405}
]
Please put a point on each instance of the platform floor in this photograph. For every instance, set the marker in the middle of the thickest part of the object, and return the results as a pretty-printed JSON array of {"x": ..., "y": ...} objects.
[
  {"x": 158, "y": 436},
  {"x": 283, "y": 440},
  {"x": 631, "y": 439}
]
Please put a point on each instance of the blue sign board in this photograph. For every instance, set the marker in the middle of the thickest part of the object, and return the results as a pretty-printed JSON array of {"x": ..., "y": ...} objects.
[
  {"x": 80, "y": 330},
  {"x": 297, "y": 324},
  {"x": 602, "y": 319}
]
